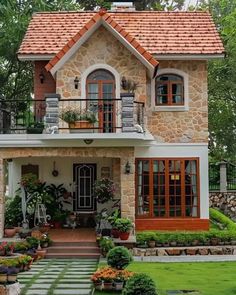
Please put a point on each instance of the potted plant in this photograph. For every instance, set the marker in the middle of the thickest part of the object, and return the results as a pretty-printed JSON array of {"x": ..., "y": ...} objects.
[
  {"x": 118, "y": 282},
  {"x": 124, "y": 226},
  {"x": 112, "y": 220},
  {"x": 9, "y": 248},
  {"x": 45, "y": 241},
  {"x": 77, "y": 118},
  {"x": 12, "y": 274},
  {"x": 151, "y": 238},
  {"x": 3, "y": 274},
  {"x": 9, "y": 230},
  {"x": 104, "y": 190},
  {"x": 35, "y": 128},
  {"x": 58, "y": 219},
  {"x": 40, "y": 252}
]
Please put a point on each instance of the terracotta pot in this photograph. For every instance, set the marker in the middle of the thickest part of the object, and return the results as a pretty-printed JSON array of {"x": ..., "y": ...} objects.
[
  {"x": 12, "y": 278},
  {"x": 195, "y": 243},
  {"x": 124, "y": 236},
  {"x": 115, "y": 233},
  {"x": 2, "y": 253},
  {"x": 108, "y": 286},
  {"x": 81, "y": 125},
  {"x": 10, "y": 232},
  {"x": 214, "y": 241},
  {"x": 3, "y": 278}
]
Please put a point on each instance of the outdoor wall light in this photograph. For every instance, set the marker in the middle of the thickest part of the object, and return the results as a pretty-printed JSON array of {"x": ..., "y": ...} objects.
[
  {"x": 123, "y": 82},
  {"x": 76, "y": 82},
  {"x": 88, "y": 141},
  {"x": 41, "y": 77},
  {"x": 127, "y": 168}
]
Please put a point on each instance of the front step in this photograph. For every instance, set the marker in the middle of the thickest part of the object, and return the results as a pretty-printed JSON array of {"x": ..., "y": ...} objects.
[{"x": 71, "y": 250}]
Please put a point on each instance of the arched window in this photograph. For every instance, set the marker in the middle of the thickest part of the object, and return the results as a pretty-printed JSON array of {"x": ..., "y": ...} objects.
[
  {"x": 169, "y": 90},
  {"x": 100, "y": 85}
]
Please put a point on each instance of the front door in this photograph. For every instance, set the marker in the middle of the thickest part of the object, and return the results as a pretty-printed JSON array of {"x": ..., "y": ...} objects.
[
  {"x": 84, "y": 176},
  {"x": 100, "y": 94}
]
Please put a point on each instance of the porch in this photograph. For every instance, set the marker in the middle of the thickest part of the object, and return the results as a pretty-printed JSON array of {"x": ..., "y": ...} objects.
[{"x": 76, "y": 169}]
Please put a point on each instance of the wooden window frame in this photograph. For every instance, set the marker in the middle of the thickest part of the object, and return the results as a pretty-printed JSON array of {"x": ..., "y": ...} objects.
[
  {"x": 167, "y": 196},
  {"x": 169, "y": 95}
]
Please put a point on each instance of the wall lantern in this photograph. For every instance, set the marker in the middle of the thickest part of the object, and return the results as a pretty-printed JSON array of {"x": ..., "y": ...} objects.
[
  {"x": 88, "y": 141},
  {"x": 127, "y": 168},
  {"x": 41, "y": 77},
  {"x": 123, "y": 83},
  {"x": 76, "y": 82}
]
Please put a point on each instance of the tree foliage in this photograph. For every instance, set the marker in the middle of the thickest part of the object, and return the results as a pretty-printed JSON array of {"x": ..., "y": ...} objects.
[{"x": 16, "y": 76}]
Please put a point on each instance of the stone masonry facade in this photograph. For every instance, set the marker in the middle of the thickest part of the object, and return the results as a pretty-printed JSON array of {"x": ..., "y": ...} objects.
[{"x": 173, "y": 126}]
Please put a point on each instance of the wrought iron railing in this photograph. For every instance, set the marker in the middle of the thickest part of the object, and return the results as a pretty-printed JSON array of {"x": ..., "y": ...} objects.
[{"x": 91, "y": 115}]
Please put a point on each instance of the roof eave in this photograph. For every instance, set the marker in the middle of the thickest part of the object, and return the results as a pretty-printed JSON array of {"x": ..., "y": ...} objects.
[
  {"x": 189, "y": 56},
  {"x": 34, "y": 57}
]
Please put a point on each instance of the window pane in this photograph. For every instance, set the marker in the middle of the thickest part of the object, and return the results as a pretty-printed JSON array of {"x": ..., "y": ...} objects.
[
  {"x": 100, "y": 75},
  {"x": 162, "y": 89},
  {"x": 162, "y": 99},
  {"x": 177, "y": 99},
  {"x": 93, "y": 88}
]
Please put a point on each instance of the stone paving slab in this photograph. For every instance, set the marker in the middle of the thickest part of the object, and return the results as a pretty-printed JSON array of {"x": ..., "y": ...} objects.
[
  {"x": 73, "y": 286},
  {"x": 72, "y": 292},
  {"x": 36, "y": 292},
  {"x": 40, "y": 286}
]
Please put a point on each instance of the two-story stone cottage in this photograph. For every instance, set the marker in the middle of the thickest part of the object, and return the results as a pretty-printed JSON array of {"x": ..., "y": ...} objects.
[{"x": 143, "y": 75}]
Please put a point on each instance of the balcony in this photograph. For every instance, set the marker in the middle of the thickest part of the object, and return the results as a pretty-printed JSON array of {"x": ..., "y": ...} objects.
[{"x": 93, "y": 116}]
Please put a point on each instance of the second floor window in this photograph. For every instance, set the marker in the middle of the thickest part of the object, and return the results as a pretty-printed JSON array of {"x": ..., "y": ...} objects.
[{"x": 169, "y": 90}]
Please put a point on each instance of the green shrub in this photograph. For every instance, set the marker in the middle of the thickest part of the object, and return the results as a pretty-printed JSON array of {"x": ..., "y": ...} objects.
[
  {"x": 119, "y": 257},
  {"x": 123, "y": 224},
  {"x": 33, "y": 242},
  {"x": 223, "y": 219},
  {"x": 140, "y": 284},
  {"x": 13, "y": 213},
  {"x": 106, "y": 244}
]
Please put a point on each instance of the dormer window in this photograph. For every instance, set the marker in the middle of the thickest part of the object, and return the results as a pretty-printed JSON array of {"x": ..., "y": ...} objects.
[{"x": 169, "y": 90}]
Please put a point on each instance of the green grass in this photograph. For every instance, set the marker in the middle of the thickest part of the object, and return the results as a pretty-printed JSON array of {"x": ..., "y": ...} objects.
[{"x": 209, "y": 278}]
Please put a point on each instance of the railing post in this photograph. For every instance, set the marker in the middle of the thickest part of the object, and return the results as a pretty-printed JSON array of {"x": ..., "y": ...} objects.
[
  {"x": 51, "y": 118},
  {"x": 127, "y": 112},
  {"x": 223, "y": 177}
]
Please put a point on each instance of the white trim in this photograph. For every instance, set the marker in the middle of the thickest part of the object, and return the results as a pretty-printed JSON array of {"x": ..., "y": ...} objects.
[
  {"x": 26, "y": 57},
  {"x": 173, "y": 108},
  {"x": 188, "y": 56},
  {"x": 85, "y": 37},
  {"x": 95, "y": 67}
]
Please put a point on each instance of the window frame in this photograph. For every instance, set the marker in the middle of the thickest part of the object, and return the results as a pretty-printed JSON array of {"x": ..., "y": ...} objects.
[
  {"x": 169, "y": 94},
  {"x": 167, "y": 187},
  {"x": 173, "y": 107}
]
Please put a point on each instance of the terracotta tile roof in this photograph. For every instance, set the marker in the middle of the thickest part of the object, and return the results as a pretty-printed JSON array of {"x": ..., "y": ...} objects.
[
  {"x": 102, "y": 15},
  {"x": 158, "y": 32}
]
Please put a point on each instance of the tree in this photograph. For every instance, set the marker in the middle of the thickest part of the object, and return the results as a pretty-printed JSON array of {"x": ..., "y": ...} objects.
[
  {"x": 222, "y": 83},
  {"x": 15, "y": 76}
]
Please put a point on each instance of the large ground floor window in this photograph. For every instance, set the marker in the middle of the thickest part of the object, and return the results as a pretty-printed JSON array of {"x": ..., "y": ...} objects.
[{"x": 167, "y": 188}]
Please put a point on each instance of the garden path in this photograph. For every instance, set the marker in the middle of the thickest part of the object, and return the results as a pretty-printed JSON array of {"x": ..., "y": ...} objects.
[{"x": 58, "y": 277}]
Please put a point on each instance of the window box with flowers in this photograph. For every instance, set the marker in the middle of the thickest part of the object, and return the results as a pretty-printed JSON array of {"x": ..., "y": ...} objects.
[
  {"x": 104, "y": 190},
  {"x": 79, "y": 119}
]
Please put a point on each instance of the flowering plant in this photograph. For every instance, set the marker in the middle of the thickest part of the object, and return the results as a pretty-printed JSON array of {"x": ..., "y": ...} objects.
[
  {"x": 108, "y": 275},
  {"x": 7, "y": 247},
  {"x": 104, "y": 190}
]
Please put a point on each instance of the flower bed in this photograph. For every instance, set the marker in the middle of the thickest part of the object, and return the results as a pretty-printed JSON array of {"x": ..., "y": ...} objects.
[{"x": 108, "y": 278}]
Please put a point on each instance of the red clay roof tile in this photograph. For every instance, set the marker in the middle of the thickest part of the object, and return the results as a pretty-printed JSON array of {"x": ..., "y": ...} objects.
[
  {"x": 108, "y": 19},
  {"x": 158, "y": 32}
]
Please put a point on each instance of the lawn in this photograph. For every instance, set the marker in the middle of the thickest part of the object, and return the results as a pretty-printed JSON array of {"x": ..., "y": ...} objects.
[{"x": 209, "y": 278}]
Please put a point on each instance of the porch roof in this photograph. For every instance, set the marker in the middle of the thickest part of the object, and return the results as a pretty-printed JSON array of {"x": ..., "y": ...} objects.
[{"x": 159, "y": 32}]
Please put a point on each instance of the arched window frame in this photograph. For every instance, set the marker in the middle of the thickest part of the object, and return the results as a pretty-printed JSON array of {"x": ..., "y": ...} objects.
[
  {"x": 91, "y": 69},
  {"x": 170, "y": 108}
]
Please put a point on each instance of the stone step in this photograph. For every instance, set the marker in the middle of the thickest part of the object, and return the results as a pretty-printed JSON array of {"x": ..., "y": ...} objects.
[
  {"x": 75, "y": 244},
  {"x": 73, "y": 255},
  {"x": 73, "y": 249}
]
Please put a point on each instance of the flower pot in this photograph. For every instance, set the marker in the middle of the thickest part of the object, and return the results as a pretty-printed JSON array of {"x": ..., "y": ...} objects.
[
  {"x": 151, "y": 244},
  {"x": 124, "y": 236},
  {"x": 84, "y": 126},
  {"x": 214, "y": 241},
  {"x": 195, "y": 243},
  {"x": 118, "y": 286},
  {"x": 115, "y": 233},
  {"x": 173, "y": 243},
  {"x": 98, "y": 286},
  {"x": 10, "y": 232},
  {"x": 3, "y": 278},
  {"x": 2, "y": 252},
  {"x": 12, "y": 278},
  {"x": 108, "y": 286},
  {"x": 41, "y": 253}
]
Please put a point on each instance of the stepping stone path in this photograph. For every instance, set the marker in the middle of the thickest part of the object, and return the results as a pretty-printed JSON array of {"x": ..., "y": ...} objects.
[{"x": 58, "y": 277}]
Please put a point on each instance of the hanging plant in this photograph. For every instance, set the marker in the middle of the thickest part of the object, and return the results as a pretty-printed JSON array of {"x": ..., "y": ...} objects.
[{"x": 104, "y": 190}]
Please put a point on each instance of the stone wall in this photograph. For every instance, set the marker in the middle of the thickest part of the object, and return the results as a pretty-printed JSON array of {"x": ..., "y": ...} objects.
[
  {"x": 101, "y": 48},
  {"x": 184, "y": 126},
  {"x": 226, "y": 202}
]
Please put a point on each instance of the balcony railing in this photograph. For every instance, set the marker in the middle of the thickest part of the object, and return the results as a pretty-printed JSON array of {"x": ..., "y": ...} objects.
[{"x": 54, "y": 115}]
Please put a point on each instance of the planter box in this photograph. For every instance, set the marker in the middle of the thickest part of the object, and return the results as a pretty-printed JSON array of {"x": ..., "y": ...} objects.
[{"x": 81, "y": 127}]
